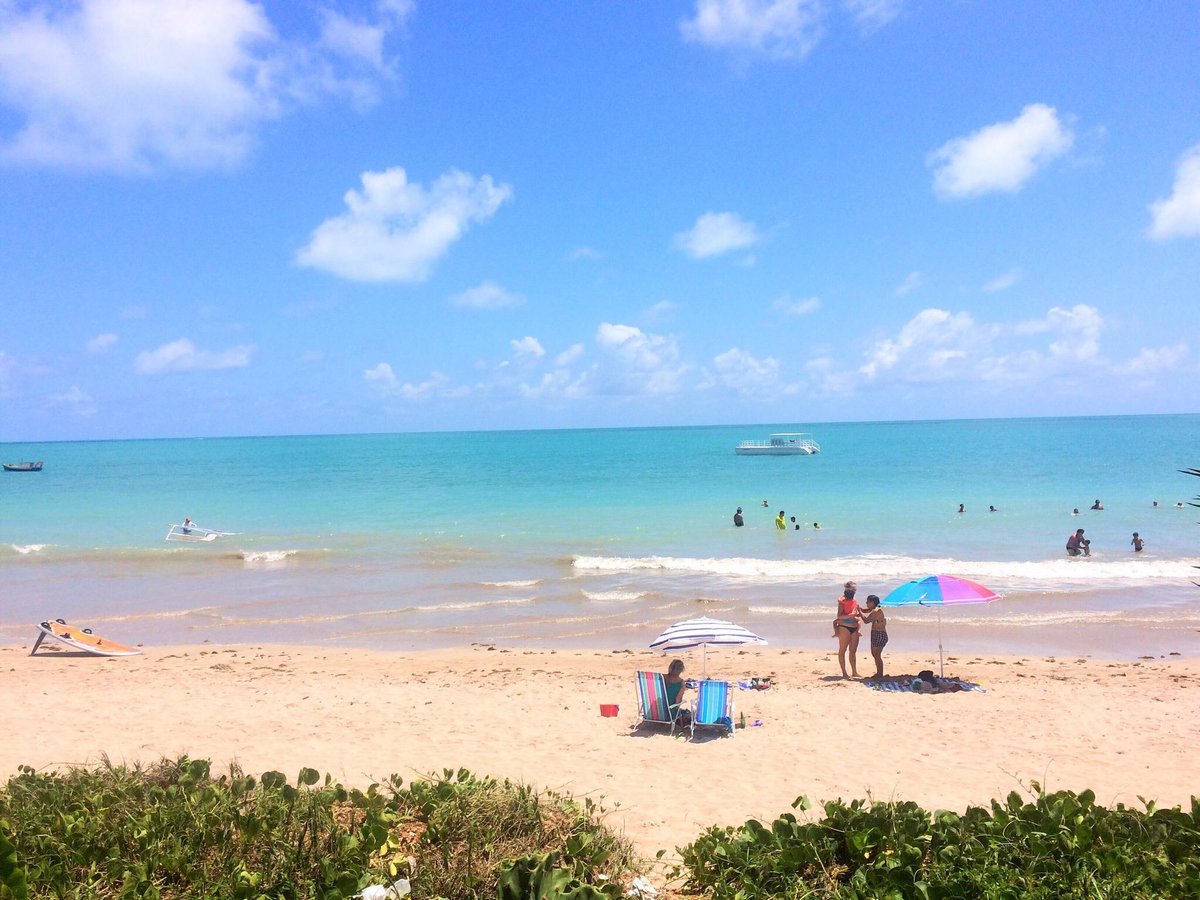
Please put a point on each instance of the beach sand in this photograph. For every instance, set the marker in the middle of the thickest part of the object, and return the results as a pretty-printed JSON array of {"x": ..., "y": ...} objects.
[{"x": 1123, "y": 729}]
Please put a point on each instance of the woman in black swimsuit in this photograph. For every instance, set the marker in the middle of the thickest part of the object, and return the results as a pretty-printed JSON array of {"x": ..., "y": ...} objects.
[{"x": 845, "y": 626}]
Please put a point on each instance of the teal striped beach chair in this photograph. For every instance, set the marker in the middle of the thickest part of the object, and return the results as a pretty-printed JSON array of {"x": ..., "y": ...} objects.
[
  {"x": 652, "y": 701},
  {"x": 713, "y": 707}
]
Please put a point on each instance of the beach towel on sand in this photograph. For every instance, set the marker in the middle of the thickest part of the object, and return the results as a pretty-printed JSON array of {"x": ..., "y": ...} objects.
[{"x": 904, "y": 685}]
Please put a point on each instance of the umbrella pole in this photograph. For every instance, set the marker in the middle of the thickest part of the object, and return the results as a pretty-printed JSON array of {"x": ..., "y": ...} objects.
[{"x": 941, "y": 661}]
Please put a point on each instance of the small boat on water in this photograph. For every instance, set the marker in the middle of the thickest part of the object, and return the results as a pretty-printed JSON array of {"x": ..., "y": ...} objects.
[
  {"x": 781, "y": 444},
  {"x": 194, "y": 534},
  {"x": 23, "y": 466}
]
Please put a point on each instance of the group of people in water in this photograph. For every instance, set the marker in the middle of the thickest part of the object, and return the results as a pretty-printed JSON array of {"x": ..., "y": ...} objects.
[
  {"x": 1078, "y": 545},
  {"x": 781, "y": 520}
]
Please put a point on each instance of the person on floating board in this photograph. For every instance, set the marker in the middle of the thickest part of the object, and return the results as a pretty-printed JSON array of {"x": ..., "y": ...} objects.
[{"x": 187, "y": 525}]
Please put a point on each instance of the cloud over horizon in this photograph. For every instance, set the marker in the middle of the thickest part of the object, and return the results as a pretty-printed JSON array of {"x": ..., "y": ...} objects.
[
  {"x": 184, "y": 356},
  {"x": 395, "y": 230}
]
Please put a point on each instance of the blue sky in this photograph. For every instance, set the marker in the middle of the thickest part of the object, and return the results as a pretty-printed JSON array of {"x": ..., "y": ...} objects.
[{"x": 237, "y": 218}]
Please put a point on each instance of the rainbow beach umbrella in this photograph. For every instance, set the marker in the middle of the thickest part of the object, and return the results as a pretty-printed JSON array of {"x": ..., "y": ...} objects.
[{"x": 939, "y": 591}]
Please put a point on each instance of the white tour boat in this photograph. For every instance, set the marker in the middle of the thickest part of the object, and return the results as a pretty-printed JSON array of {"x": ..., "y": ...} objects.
[{"x": 782, "y": 444}]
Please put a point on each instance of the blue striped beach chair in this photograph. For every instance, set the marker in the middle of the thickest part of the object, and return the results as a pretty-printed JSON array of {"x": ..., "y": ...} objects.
[
  {"x": 713, "y": 707},
  {"x": 652, "y": 701}
]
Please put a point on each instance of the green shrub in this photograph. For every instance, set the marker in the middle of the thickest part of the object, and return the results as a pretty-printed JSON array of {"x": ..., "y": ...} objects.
[
  {"x": 1059, "y": 845},
  {"x": 173, "y": 830}
]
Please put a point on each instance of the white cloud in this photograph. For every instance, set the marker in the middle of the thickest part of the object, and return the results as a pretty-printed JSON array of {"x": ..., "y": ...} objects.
[
  {"x": 1077, "y": 329},
  {"x": 569, "y": 356},
  {"x": 1150, "y": 361},
  {"x": 1179, "y": 214},
  {"x": 395, "y": 230},
  {"x": 790, "y": 306},
  {"x": 587, "y": 253},
  {"x": 487, "y": 295},
  {"x": 382, "y": 377},
  {"x": 872, "y": 15},
  {"x": 658, "y": 312},
  {"x": 1003, "y": 282},
  {"x": 183, "y": 356},
  {"x": 139, "y": 85},
  {"x": 76, "y": 401},
  {"x": 643, "y": 363},
  {"x": 558, "y": 385},
  {"x": 746, "y": 373},
  {"x": 911, "y": 282},
  {"x": 927, "y": 345},
  {"x": 384, "y": 382},
  {"x": 357, "y": 40},
  {"x": 527, "y": 347},
  {"x": 101, "y": 343},
  {"x": 778, "y": 29},
  {"x": 717, "y": 233},
  {"x": 999, "y": 157}
]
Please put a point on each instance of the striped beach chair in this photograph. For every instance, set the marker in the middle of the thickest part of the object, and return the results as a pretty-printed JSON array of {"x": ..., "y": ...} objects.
[
  {"x": 713, "y": 707},
  {"x": 652, "y": 701}
]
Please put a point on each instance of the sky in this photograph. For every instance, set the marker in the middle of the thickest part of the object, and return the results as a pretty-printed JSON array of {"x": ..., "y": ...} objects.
[{"x": 350, "y": 216}]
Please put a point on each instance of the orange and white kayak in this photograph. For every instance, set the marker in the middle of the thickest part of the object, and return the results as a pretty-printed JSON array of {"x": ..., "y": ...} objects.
[{"x": 81, "y": 639}]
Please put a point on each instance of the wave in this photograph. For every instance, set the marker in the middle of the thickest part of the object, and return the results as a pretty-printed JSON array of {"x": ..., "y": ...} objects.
[
  {"x": 531, "y": 582},
  {"x": 267, "y": 557},
  {"x": 26, "y": 549},
  {"x": 1034, "y": 574},
  {"x": 615, "y": 596},
  {"x": 470, "y": 604}
]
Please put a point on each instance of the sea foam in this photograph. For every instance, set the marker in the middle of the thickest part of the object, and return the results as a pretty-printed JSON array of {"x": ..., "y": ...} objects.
[{"x": 1032, "y": 575}]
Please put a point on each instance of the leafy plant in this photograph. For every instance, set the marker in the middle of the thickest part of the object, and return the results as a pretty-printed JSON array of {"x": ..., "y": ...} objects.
[
  {"x": 1057, "y": 845},
  {"x": 12, "y": 878},
  {"x": 173, "y": 830}
]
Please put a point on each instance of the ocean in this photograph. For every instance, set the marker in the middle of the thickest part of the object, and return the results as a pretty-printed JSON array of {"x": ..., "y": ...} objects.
[{"x": 601, "y": 538}]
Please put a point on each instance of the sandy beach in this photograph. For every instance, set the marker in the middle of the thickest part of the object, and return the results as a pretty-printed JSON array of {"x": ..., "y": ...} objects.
[{"x": 1123, "y": 729}]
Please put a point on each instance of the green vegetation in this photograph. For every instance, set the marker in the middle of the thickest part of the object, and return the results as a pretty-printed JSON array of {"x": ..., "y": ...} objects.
[
  {"x": 1058, "y": 845},
  {"x": 174, "y": 831}
]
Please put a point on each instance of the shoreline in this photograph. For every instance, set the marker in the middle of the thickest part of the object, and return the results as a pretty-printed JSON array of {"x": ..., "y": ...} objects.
[{"x": 1124, "y": 729}]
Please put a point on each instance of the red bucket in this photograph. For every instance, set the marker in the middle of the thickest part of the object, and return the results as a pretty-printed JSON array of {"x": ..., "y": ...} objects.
[{"x": 609, "y": 710}]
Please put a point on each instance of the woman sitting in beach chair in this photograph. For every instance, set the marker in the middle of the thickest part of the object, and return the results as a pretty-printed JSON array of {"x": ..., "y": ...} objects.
[{"x": 660, "y": 697}]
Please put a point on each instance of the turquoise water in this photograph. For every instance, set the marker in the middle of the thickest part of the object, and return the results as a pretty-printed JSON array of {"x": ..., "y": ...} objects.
[{"x": 603, "y": 537}]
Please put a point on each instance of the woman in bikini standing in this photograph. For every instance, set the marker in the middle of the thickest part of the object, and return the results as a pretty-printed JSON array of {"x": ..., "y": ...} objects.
[{"x": 845, "y": 626}]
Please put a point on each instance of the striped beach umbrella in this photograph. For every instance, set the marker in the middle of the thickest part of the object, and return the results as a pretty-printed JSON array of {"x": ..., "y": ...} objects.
[
  {"x": 939, "y": 591},
  {"x": 704, "y": 633}
]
